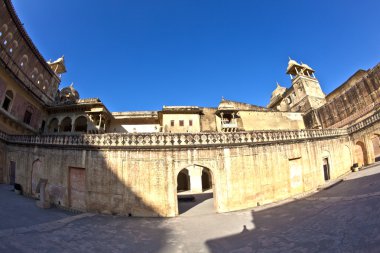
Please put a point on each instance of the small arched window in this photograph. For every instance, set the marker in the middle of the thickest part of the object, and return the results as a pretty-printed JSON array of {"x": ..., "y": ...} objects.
[
  {"x": 66, "y": 125},
  {"x": 24, "y": 60},
  {"x": 53, "y": 126},
  {"x": 8, "y": 100},
  {"x": 34, "y": 73},
  {"x": 8, "y": 39},
  {"x": 80, "y": 124},
  {"x": 3, "y": 30}
]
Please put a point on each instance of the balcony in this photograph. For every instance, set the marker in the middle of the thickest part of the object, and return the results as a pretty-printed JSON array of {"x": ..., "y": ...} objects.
[{"x": 229, "y": 125}]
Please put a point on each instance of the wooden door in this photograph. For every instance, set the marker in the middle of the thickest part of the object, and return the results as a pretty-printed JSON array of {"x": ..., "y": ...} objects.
[{"x": 77, "y": 188}]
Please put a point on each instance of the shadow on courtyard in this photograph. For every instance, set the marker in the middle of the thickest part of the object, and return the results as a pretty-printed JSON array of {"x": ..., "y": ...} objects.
[
  {"x": 106, "y": 189},
  {"x": 314, "y": 225},
  {"x": 185, "y": 202}
]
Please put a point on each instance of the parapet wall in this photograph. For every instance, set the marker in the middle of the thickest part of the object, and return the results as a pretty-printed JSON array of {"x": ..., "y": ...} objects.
[
  {"x": 170, "y": 140},
  {"x": 136, "y": 174},
  {"x": 351, "y": 105}
]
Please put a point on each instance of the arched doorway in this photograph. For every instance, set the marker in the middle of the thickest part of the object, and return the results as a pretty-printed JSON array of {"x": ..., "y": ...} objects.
[
  {"x": 53, "y": 126},
  {"x": 376, "y": 148},
  {"x": 195, "y": 193},
  {"x": 36, "y": 175},
  {"x": 206, "y": 179},
  {"x": 326, "y": 169},
  {"x": 183, "y": 181},
  {"x": 326, "y": 165},
  {"x": 360, "y": 154},
  {"x": 66, "y": 125},
  {"x": 80, "y": 124}
]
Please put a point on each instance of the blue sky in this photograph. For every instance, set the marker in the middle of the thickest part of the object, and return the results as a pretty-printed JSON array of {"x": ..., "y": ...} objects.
[{"x": 143, "y": 54}]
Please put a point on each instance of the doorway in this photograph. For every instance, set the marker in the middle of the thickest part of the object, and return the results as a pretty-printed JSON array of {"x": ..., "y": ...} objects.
[
  {"x": 326, "y": 169},
  {"x": 183, "y": 181},
  {"x": 195, "y": 193},
  {"x": 12, "y": 173},
  {"x": 360, "y": 154},
  {"x": 77, "y": 188}
]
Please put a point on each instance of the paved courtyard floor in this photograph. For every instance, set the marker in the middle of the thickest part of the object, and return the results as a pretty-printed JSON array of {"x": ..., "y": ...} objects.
[{"x": 344, "y": 218}]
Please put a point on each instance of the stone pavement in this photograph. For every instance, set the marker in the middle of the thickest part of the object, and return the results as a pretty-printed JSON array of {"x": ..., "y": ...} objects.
[{"x": 344, "y": 218}]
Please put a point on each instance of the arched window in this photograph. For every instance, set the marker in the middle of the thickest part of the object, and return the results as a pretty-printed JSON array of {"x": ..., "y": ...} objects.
[
  {"x": 14, "y": 46},
  {"x": 8, "y": 100},
  {"x": 24, "y": 60},
  {"x": 80, "y": 124},
  {"x": 65, "y": 125},
  {"x": 34, "y": 73},
  {"x": 8, "y": 39},
  {"x": 40, "y": 79},
  {"x": 53, "y": 126},
  {"x": 3, "y": 30}
]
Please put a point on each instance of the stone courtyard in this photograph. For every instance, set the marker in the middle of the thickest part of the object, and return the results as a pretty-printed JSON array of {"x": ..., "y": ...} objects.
[{"x": 342, "y": 218}]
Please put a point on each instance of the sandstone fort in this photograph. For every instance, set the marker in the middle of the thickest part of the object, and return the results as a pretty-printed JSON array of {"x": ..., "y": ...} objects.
[{"x": 73, "y": 152}]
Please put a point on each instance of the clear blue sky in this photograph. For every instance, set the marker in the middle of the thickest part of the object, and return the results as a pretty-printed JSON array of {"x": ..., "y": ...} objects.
[{"x": 142, "y": 54}]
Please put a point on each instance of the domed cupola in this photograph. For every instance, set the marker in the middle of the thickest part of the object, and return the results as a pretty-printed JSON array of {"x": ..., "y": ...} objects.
[
  {"x": 278, "y": 91},
  {"x": 291, "y": 65},
  {"x": 68, "y": 95}
]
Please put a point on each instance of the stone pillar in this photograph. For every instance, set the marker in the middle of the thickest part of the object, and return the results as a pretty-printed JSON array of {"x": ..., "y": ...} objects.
[
  {"x": 72, "y": 125},
  {"x": 195, "y": 179},
  {"x": 369, "y": 147}
]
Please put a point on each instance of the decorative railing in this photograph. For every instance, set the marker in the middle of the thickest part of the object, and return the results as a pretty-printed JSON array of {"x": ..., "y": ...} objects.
[
  {"x": 364, "y": 123},
  {"x": 184, "y": 139},
  {"x": 174, "y": 139}
]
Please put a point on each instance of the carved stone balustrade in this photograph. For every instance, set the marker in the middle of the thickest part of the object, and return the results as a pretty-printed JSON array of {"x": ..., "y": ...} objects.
[{"x": 152, "y": 140}]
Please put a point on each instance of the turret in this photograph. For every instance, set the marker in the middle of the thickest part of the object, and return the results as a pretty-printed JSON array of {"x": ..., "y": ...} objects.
[
  {"x": 304, "y": 95},
  {"x": 58, "y": 66}
]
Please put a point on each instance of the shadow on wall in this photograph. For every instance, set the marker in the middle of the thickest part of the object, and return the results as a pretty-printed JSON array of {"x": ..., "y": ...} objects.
[
  {"x": 313, "y": 225},
  {"x": 92, "y": 182}
]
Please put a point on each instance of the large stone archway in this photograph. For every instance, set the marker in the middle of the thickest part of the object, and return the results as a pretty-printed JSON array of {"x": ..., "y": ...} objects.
[{"x": 195, "y": 187}]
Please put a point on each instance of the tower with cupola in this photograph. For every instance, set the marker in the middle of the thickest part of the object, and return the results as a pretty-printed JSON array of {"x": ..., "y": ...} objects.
[{"x": 305, "y": 93}]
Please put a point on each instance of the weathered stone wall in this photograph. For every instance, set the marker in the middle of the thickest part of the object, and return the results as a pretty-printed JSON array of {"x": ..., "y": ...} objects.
[
  {"x": 252, "y": 120},
  {"x": 22, "y": 58},
  {"x": 208, "y": 120},
  {"x": 364, "y": 137},
  {"x": 351, "y": 105},
  {"x": 22, "y": 101},
  {"x": 142, "y": 181},
  {"x": 2, "y": 162}
]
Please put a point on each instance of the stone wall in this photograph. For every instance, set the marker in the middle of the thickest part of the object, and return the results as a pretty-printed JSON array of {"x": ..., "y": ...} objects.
[
  {"x": 21, "y": 57},
  {"x": 252, "y": 120},
  {"x": 141, "y": 180},
  {"x": 22, "y": 101},
  {"x": 351, "y": 105}
]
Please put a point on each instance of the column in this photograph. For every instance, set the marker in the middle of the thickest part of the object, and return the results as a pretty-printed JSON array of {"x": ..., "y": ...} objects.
[{"x": 195, "y": 179}]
